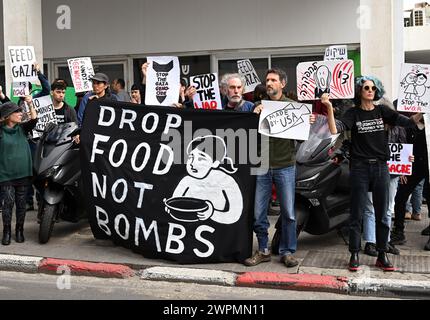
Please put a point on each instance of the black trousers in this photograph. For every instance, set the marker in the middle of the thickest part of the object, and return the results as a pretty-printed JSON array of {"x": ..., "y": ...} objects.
[
  {"x": 420, "y": 170},
  {"x": 13, "y": 195}
]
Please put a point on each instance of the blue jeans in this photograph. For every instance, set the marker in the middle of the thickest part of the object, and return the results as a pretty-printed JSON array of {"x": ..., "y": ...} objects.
[
  {"x": 416, "y": 199},
  {"x": 369, "y": 228},
  {"x": 285, "y": 182},
  {"x": 375, "y": 178}
]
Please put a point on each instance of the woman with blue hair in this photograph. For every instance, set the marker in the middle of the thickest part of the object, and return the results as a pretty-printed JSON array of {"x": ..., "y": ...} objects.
[{"x": 369, "y": 154}]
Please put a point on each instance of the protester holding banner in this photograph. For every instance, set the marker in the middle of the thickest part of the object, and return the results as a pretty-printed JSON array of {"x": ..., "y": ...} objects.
[
  {"x": 282, "y": 172},
  {"x": 420, "y": 170},
  {"x": 235, "y": 89},
  {"x": 15, "y": 166},
  {"x": 369, "y": 155},
  {"x": 100, "y": 90}
]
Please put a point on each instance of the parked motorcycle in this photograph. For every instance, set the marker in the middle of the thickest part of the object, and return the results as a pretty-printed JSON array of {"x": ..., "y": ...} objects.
[
  {"x": 57, "y": 172},
  {"x": 322, "y": 183}
]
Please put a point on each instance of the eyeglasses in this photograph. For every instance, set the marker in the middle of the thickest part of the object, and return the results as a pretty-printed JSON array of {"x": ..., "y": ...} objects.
[{"x": 367, "y": 88}]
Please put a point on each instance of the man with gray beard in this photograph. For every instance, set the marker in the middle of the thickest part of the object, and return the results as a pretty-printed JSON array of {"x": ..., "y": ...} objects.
[{"x": 235, "y": 101}]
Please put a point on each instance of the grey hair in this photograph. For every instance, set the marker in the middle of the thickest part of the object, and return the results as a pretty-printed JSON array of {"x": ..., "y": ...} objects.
[{"x": 230, "y": 76}]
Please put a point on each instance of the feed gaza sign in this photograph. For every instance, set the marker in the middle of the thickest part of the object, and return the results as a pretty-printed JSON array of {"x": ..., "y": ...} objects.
[{"x": 22, "y": 59}]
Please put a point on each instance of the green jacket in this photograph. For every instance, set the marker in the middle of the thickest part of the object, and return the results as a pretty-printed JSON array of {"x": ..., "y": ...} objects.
[{"x": 15, "y": 154}]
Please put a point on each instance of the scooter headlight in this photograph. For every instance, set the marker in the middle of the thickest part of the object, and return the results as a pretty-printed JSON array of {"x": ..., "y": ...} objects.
[
  {"x": 52, "y": 171},
  {"x": 307, "y": 183}
]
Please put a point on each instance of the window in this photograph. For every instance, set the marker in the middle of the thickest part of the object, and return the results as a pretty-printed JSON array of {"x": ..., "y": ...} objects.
[
  {"x": 112, "y": 70},
  {"x": 418, "y": 17},
  {"x": 230, "y": 66}
]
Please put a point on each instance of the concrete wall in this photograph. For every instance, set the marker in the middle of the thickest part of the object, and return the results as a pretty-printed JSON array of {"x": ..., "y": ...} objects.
[
  {"x": 101, "y": 27},
  {"x": 417, "y": 38},
  {"x": 1, "y": 32}
]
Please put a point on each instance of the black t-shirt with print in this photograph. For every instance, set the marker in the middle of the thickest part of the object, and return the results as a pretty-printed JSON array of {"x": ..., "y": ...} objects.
[
  {"x": 61, "y": 115},
  {"x": 368, "y": 134}
]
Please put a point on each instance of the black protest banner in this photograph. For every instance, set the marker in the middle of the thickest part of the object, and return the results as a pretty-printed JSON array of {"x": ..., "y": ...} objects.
[{"x": 168, "y": 183}]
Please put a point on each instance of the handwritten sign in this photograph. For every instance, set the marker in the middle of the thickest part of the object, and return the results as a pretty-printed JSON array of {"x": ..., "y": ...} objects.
[
  {"x": 287, "y": 120},
  {"x": 414, "y": 91},
  {"x": 45, "y": 114},
  {"x": 22, "y": 59},
  {"x": 399, "y": 163},
  {"x": 163, "y": 81},
  {"x": 333, "y": 77},
  {"x": 208, "y": 95},
  {"x": 246, "y": 69},
  {"x": 20, "y": 89},
  {"x": 81, "y": 70},
  {"x": 336, "y": 53}
]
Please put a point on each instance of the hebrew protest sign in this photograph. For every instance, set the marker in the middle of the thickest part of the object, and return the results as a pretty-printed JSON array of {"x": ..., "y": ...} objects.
[
  {"x": 333, "y": 77},
  {"x": 414, "y": 92},
  {"x": 399, "y": 163},
  {"x": 22, "y": 59},
  {"x": 207, "y": 95},
  {"x": 168, "y": 183},
  {"x": 20, "y": 89},
  {"x": 162, "y": 81},
  {"x": 246, "y": 69},
  {"x": 287, "y": 120},
  {"x": 81, "y": 71},
  {"x": 336, "y": 53},
  {"x": 45, "y": 114}
]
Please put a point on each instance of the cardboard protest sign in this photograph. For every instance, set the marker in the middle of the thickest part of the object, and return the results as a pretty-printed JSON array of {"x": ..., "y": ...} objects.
[
  {"x": 208, "y": 95},
  {"x": 246, "y": 69},
  {"x": 81, "y": 70},
  {"x": 45, "y": 114},
  {"x": 333, "y": 77},
  {"x": 20, "y": 89},
  {"x": 287, "y": 120},
  {"x": 414, "y": 92},
  {"x": 22, "y": 59},
  {"x": 336, "y": 53},
  {"x": 190, "y": 200},
  {"x": 399, "y": 163},
  {"x": 162, "y": 81}
]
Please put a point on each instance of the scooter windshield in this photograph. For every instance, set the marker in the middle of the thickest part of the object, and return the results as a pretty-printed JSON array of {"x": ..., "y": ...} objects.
[
  {"x": 320, "y": 140},
  {"x": 61, "y": 134}
]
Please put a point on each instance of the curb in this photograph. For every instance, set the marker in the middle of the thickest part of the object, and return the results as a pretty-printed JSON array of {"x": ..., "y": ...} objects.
[
  {"x": 269, "y": 280},
  {"x": 83, "y": 268}
]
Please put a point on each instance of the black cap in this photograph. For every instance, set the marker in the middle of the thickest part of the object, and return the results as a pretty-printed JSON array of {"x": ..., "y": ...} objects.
[
  {"x": 8, "y": 108},
  {"x": 100, "y": 77}
]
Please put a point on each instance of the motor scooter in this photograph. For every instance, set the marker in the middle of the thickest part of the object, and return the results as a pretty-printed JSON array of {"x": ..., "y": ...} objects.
[
  {"x": 57, "y": 172},
  {"x": 322, "y": 198}
]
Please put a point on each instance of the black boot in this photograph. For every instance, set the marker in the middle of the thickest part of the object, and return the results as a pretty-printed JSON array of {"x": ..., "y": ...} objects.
[
  {"x": 383, "y": 262},
  {"x": 19, "y": 233},
  {"x": 354, "y": 262},
  {"x": 6, "y": 235}
]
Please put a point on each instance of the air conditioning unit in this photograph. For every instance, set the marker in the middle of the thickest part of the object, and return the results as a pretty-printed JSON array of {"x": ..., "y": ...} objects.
[{"x": 419, "y": 17}]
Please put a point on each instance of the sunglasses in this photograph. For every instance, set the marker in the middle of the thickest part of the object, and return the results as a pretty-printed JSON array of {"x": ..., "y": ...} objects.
[{"x": 367, "y": 88}]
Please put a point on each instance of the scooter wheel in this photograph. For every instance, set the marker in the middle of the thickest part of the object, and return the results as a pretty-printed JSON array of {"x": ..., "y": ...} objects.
[{"x": 47, "y": 222}]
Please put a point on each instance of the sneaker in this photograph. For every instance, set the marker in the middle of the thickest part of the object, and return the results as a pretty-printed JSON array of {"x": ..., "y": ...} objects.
[
  {"x": 257, "y": 258},
  {"x": 289, "y": 261},
  {"x": 392, "y": 249},
  {"x": 408, "y": 215},
  {"x": 354, "y": 262},
  {"x": 370, "y": 249},
  {"x": 416, "y": 216},
  {"x": 384, "y": 263},
  {"x": 398, "y": 238},
  {"x": 426, "y": 231}
]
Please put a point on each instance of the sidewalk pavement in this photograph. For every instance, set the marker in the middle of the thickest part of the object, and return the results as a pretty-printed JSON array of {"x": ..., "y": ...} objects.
[{"x": 323, "y": 263}]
